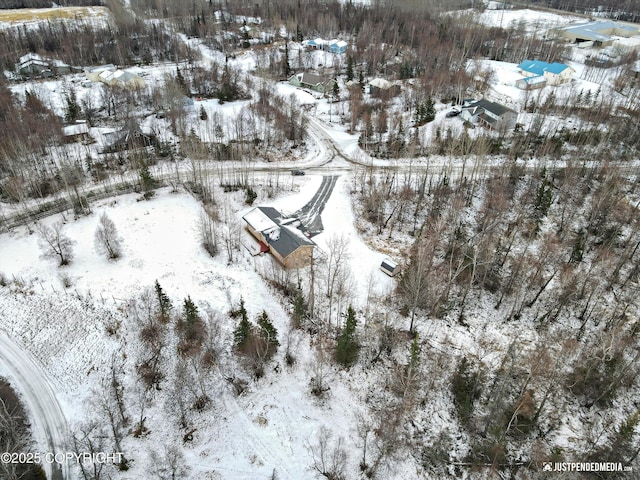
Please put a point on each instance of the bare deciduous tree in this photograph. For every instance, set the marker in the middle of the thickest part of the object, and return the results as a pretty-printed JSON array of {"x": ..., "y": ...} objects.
[
  {"x": 329, "y": 458},
  {"x": 54, "y": 243},
  {"x": 107, "y": 240},
  {"x": 90, "y": 438},
  {"x": 170, "y": 464}
]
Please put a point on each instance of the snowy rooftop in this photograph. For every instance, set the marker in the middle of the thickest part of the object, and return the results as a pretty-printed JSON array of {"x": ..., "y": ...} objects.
[
  {"x": 381, "y": 83},
  {"x": 601, "y": 30},
  {"x": 258, "y": 220},
  {"x": 76, "y": 129}
]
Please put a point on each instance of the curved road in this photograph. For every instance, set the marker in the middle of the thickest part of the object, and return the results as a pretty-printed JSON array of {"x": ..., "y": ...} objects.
[{"x": 49, "y": 425}]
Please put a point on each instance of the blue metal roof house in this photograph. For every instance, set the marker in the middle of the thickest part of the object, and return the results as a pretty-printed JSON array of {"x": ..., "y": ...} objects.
[
  {"x": 338, "y": 46},
  {"x": 554, "y": 73}
]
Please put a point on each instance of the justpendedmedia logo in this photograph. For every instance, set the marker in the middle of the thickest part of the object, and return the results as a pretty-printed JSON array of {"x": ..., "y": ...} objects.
[{"x": 585, "y": 467}]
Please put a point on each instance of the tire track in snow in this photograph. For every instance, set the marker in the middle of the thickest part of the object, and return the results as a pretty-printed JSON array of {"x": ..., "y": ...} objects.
[
  {"x": 49, "y": 423},
  {"x": 309, "y": 215}
]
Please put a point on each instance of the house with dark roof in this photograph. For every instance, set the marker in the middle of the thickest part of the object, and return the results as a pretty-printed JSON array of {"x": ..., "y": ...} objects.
[
  {"x": 280, "y": 236},
  {"x": 491, "y": 115},
  {"x": 317, "y": 83},
  {"x": 129, "y": 137},
  {"x": 554, "y": 73}
]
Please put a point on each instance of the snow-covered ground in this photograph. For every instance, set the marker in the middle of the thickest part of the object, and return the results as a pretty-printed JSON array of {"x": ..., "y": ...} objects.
[
  {"x": 531, "y": 21},
  {"x": 276, "y": 421}
]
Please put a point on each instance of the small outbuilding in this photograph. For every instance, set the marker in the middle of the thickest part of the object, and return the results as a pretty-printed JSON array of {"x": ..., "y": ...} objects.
[
  {"x": 531, "y": 83},
  {"x": 77, "y": 132},
  {"x": 390, "y": 267}
]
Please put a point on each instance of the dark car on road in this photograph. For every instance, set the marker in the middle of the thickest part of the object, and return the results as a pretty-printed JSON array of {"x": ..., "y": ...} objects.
[
  {"x": 452, "y": 113},
  {"x": 297, "y": 173}
]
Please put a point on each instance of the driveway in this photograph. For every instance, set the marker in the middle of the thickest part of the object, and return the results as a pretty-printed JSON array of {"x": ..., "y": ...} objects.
[{"x": 309, "y": 215}]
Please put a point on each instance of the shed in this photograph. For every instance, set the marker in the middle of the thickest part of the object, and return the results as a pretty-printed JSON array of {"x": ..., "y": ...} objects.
[{"x": 390, "y": 267}]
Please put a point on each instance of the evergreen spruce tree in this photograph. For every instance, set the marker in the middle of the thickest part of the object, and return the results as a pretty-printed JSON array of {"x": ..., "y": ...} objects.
[
  {"x": 191, "y": 315},
  {"x": 349, "y": 68},
  {"x": 181, "y": 81},
  {"x": 203, "y": 113},
  {"x": 347, "y": 347},
  {"x": 249, "y": 196},
  {"x": 544, "y": 198},
  {"x": 267, "y": 330},
  {"x": 299, "y": 309},
  {"x": 73, "y": 107},
  {"x": 245, "y": 35},
  {"x": 286, "y": 66},
  {"x": 146, "y": 180},
  {"x": 243, "y": 331},
  {"x": 164, "y": 303},
  {"x": 465, "y": 390},
  {"x": 429, "y": 111}
]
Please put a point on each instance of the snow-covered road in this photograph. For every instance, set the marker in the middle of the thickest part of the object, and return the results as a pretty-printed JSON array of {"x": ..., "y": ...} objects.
[{"x": 49, "y": 425}]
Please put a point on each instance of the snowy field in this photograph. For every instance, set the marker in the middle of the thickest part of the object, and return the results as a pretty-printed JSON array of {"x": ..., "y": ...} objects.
[
  {"x": 531, "y": 21},
  {"x": 34, "y": 17}
]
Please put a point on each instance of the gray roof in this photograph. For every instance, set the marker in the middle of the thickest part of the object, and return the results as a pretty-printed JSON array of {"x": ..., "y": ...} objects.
[
  {"x": 492, "y": 107},
  {"x": 313, "y": 79},
  {"x": 289, "y": 238},
  {"x": 600, "y": 30}
]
